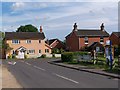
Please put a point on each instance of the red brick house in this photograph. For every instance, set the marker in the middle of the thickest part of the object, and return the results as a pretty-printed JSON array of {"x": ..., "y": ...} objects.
[
  {"x": 55, "y": 43},
  {"x": 115, "y": 38},
  {"x": 80, "y": 38}
]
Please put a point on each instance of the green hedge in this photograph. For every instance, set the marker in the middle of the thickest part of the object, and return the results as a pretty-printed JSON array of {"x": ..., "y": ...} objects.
[
  {"x": 67, "y": 56},
  {"x": 80, "y": 53}
]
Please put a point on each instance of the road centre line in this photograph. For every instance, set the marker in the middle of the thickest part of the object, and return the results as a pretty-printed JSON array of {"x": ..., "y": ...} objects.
[
  {"x": 39, "y": 68},
  {"x": 66, "y": 78},
  {"x": 27, "y": 63},
  {"x": 21, "y": 61}
]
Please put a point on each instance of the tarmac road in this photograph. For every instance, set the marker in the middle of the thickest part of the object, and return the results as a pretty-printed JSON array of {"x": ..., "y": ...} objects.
[{"x": 41, "y": 74}]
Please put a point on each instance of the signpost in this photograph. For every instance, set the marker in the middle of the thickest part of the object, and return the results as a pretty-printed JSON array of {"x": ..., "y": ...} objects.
[{"x": 109, "y": 53}]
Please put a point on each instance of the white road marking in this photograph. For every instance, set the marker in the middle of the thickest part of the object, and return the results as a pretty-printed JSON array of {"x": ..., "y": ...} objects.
[
  {"x": 28, "y": 63},
  {"x": 21, "y": 61},
  {"x": 39, "y": 68},
  {"x": 66, "y": 78}
]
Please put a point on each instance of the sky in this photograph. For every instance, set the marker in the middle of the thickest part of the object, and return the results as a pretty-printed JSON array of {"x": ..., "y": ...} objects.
[{"x": 57, "y": 17}]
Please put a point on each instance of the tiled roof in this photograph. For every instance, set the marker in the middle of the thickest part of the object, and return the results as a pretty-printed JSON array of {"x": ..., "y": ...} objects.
[
  {"x": 84, "y": 32},
  {"x": 24, "y": 35}
]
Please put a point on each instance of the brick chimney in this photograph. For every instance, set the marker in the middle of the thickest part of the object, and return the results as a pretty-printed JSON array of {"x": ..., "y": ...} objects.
[
  {"x": 102, "y": 27},
  {"x": 41, "y": 29},
  {"x": 75, "y": 27}
]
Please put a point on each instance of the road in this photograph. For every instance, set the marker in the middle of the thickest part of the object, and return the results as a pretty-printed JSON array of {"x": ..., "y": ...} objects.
[{"x": 41, "y": 74}]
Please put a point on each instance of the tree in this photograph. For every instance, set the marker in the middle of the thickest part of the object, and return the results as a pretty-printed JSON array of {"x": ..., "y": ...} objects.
[
  {"x": 6, "y": 46},
  {"x": 27, "y": 28}
]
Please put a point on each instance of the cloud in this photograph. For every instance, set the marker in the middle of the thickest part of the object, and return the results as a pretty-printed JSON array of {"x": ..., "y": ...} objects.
[
  {"x": 56, "y": 17},
  {"x": 18, "y": 5}
]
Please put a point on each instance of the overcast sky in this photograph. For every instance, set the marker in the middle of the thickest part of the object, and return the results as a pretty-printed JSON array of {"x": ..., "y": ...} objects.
[{"x": 57, "y": 18}]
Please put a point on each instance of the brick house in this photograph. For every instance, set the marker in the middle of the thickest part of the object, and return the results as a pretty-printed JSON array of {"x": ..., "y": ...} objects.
[
  {"x": 31, "y": 44},
  {"x": 80, "y": 38},
  {"x": 115, "y": 38},
  {"x": 55, "y": 43}
]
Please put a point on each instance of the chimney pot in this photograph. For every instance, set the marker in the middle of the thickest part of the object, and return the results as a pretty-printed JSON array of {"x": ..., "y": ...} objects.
[
  {"x": 41, "y": 29},
  {"x": 75, "y": 27},
  {"x": 102, "y": 27}
]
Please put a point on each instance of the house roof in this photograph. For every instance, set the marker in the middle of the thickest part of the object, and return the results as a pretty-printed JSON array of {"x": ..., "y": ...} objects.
[
  {"x": 97, "y": 32},
  {"x": 117, "y": 34},
  {"x": 90, "y": 33},
  {"x": 24, "y": 35},
  {"x": 52, "y": 40}
]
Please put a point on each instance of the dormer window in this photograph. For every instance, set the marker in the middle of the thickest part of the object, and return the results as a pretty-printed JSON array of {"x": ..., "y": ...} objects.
[
  {"x": 15, "y": 41},
  {"x": 86, "y": 40},
  {"x": 28, "y": 41}
]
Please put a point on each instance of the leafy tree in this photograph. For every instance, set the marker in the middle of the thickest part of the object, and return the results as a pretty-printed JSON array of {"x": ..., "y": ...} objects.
[
  {"x": 6, "y": 46},
  {"x": 27, "y": 28}
]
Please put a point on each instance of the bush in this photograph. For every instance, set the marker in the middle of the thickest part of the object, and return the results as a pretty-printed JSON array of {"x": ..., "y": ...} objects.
[
  {"x": 67, "y": 56},
  {"x": 43, "y": 56},
  {"x": 10, "y": 57},
  {"x": 80, "y": 53},
  {"x": 26, "y": 56},
  {"x": 14, "y": 56}
]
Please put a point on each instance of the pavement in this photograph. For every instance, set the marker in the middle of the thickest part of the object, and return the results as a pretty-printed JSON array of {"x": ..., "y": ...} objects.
[
  {"x": 8, "y": 80},
  {"x": 85, "y": 69}
]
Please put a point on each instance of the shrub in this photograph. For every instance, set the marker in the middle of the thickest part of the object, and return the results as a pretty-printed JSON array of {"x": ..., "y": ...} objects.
[
  {"x": 67, "y": 56},
  {"x": 14, "y": 56},
  {"x": 26, "y": 56},
  {"x": 43, "y": 56},
  {"x": 10, "y": 57},
  {"x": 81, "y": 53}
]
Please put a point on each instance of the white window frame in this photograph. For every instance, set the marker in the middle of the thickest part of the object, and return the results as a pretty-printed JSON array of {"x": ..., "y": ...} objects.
[
  {"x": 15, "y": 41},
  {"x": 39, "y": 51},
  {"x": 28, "y": 41},
  {"x": 86, "y": 39},
  {"x": 101, "y": 40},
  {"x": 31, "y": 51},
  {"x": 46, "y": 50}
]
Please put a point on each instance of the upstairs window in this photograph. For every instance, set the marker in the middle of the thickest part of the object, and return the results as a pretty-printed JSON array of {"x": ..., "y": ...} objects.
[
  {"x": 101, "y": 40},
  {"x": 28, "y": 41},
  {"x": 39, "y": 41},
  {"x": 15, "y": 41},
  {"x": 86, "y": 40}
]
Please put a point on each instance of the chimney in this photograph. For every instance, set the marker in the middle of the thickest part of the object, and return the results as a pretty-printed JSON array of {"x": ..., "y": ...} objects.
[
  {"x": 102, "y": 27},
  {"x": 75, "y": 27},
  {"x": 41, "y": 29}
]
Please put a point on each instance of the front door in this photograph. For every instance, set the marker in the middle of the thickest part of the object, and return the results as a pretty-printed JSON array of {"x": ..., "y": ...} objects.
[
  {"x": 21, "y": 52},
  {"x": 21, "y": 55}
]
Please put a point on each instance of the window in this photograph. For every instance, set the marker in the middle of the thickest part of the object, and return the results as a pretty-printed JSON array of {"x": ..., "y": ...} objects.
[
  {"x": 101, "y": 40},
  {"x": 86, "y": 40},
  {"x": 31, "y": 51},
  {"x": 28, "y": 41},
  {"x": 15, "y": 41},
  {"x": 39, "y": 51},
  {"x": 46, "y": 50},
  {"x": 39, "y": 41}
]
